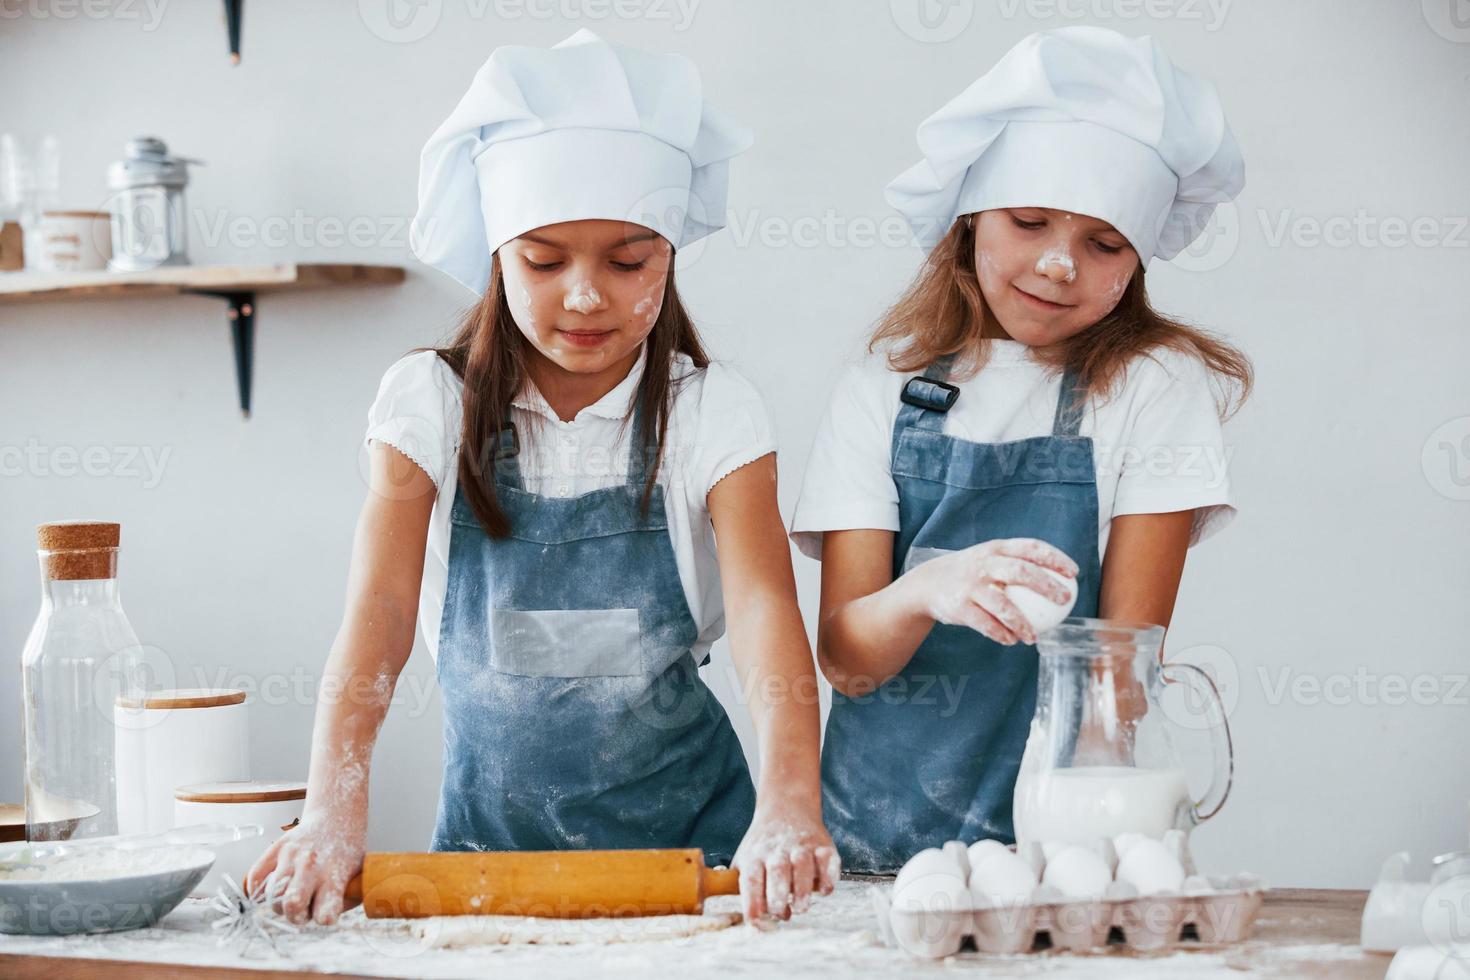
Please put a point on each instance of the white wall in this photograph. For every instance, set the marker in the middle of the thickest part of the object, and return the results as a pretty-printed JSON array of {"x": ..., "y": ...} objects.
[{"x": 1349, "y": 554}]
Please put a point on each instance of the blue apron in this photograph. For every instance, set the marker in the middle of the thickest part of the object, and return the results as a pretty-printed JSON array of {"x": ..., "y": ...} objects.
[
  {"x": 932, "y": 754},
  {"x": 574, "y": 713}
]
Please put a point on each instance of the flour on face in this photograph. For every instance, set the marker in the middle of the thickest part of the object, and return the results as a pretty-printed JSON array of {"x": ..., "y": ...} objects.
[
  {"x": 584, "y": 298},
  {"x": 647, "y": 309},
  {"x": 526, "y": 308},
  {"x": 1059, "y": 256},
  {"x": 1115, "y": 291}
]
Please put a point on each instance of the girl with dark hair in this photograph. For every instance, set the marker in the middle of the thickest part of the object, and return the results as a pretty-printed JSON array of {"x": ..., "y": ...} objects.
[{"x": 549, "y": 490}]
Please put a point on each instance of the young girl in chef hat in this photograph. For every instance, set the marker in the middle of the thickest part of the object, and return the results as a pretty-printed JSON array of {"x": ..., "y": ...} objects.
[
  {"x": 1029, "y": 413},
  {"x": 570, "y": 458}
]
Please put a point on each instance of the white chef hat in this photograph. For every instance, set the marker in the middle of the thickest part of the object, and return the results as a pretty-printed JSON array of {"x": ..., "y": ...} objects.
[
  {"x": 1080, "y": 119},
  {"x": 585, "y": 129}
]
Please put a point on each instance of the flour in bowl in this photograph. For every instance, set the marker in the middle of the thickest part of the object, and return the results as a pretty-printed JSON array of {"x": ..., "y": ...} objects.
[{"x": 94, "y": 865}]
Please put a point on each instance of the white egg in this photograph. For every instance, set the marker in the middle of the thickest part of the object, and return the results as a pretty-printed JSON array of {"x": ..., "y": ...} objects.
[
  {"x": 1051, "y": 848},
  {"x": 1176, "y": 841},
  {"x": 927, "y": 861},
  {"x": 1196, "y": 885},
  {"x": 1124, "y": 842},
  {"x": 1104, "y": 849},
  {"x": 982, "y": 849},
  {"x": 1149, "y": 867},
  {"x": 959, "y": 854},
  {"x": 1077, "y": 872},
  {"x": 931, "y": 880},
  {"x": 1041, "y": 612},
  {"x": 1033, "y": 854},
  {"x": 1002, "y": 878},
  {"x": 1100, "y": 846}
]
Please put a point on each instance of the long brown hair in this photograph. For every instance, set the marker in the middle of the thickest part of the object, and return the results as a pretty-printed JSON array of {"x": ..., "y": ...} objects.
[
  {"x": 488, "y": 354},
  {"x": 943, "y": 312}
]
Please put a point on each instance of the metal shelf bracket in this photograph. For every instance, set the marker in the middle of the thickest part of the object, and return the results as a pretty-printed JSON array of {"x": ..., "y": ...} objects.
[{"x": 241, "y": 314}]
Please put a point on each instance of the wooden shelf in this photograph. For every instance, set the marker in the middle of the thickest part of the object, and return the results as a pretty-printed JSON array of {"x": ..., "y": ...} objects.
[
  {"x": 36, "y": 287},
  {"x": 237, "y": 285}
]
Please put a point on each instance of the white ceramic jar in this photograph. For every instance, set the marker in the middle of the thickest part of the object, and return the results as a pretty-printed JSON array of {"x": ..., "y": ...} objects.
[
  {"x": 276, "y": 806},
  {"x": 73, "y": 241},
  {"x": 180, "y": 736}
]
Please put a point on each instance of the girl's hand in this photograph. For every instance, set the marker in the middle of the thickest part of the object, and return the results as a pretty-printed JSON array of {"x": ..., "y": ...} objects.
[
  {"x": 786, "y": 855},
  {"x": 967, "y": 588},
  {"x": 306, "y": 870}
]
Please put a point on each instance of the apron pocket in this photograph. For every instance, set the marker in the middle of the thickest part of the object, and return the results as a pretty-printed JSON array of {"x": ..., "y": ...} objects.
[{"x": 567, "y": 642}]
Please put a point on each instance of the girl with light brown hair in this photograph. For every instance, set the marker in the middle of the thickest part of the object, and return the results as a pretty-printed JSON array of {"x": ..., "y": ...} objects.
[{"x": 1025, "y": 419}]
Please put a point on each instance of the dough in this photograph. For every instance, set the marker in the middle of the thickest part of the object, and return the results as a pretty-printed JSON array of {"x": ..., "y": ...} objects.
[{"x": 439, "y": 931}]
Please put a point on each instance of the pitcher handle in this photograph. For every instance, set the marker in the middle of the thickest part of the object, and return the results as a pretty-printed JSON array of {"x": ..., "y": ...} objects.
[{"x": 1223, "y": 775}]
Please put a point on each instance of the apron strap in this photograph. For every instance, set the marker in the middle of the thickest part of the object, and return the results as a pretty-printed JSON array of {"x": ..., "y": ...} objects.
[
  {"x": 505, "y": 467},
  {"x": 927, "y": 397},
  {"x": 1071, "y": 402}
]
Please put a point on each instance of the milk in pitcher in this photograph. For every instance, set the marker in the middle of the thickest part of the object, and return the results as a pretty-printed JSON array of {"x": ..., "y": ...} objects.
[{"x": 1080, "y": 804}]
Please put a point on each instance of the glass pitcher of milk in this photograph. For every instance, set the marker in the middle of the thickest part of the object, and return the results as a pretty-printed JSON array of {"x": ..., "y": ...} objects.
[{"x": 1100, "y": 758}]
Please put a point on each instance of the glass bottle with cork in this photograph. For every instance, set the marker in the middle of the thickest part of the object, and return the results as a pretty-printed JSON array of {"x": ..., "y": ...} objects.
[{"x": 81, "y": 661}]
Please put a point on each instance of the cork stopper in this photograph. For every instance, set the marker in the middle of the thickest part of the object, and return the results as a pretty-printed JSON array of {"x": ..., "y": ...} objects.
[{"x": 79, "y": 549}]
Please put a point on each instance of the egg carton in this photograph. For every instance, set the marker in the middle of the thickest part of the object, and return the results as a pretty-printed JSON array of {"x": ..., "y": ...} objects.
[
  {"x": 1201, "y": 911},
  {"x": 1220, "y": 916}
]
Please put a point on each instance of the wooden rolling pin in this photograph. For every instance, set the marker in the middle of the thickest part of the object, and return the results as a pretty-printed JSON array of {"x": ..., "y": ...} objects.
[{"x": 553, "y": 884}]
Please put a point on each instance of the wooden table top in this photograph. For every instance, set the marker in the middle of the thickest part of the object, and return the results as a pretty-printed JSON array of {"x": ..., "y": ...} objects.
[{"x": 1306, "y": 933}]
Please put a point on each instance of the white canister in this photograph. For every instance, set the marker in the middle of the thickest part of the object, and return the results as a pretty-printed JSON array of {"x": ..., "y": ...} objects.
[
  {"x": 180, "y": 736},
  {"x": 73, "y": 241},
  {"x": 276, "y": 806}
]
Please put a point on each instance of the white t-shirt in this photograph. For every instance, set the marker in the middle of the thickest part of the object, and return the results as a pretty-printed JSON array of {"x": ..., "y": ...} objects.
[
  {"x": 718, "y": 424},
  {"x": 1158, "y": 446}
]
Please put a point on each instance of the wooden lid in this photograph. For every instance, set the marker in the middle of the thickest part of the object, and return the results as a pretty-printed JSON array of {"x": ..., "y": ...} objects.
[
  {"x": 245, "y": 791},
  {"x": 73, "y": 550},
  {"x": 77, "y": 535},
  {"x": 76, "y": 214},
  {"x": 191, "y": 697}
]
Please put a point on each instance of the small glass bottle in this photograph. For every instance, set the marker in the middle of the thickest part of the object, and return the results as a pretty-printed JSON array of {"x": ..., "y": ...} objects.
[{"x": 81, "y": 659}]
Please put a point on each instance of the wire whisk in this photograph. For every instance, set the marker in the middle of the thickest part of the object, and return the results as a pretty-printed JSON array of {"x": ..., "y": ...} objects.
[{"x": 243, "y": 917}]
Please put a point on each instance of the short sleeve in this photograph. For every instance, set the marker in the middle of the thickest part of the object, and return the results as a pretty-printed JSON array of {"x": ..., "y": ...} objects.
[
  {"x": 733, "y": 428},
  {"x": 849, "y": 478},
  {"x": 417, "y": 412},
  {"x": 1174, "y": 456}
]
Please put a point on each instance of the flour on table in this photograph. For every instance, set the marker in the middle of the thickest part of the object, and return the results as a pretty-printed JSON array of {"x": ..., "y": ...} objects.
[
  {"x": 444, "y": 931},
  {"x": 836, "y": 938}
]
